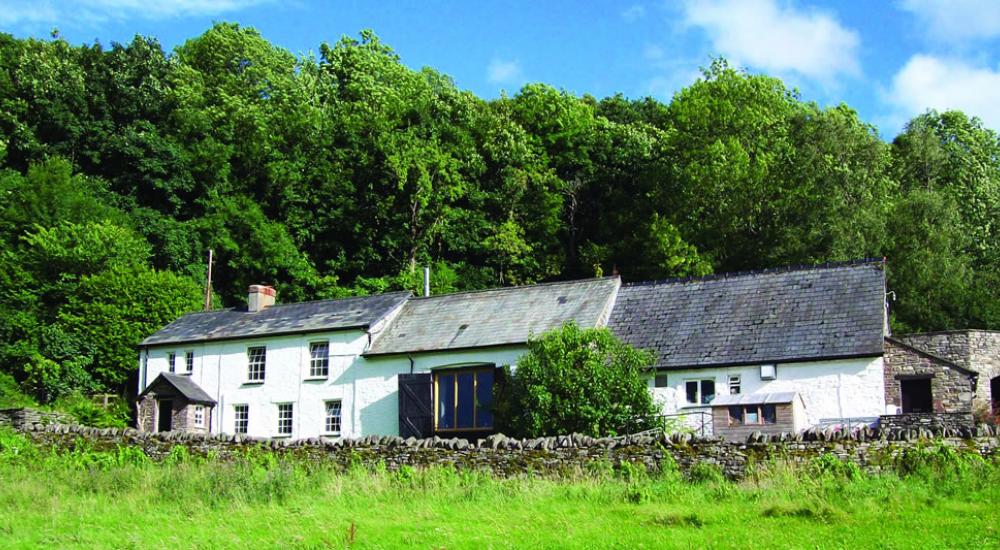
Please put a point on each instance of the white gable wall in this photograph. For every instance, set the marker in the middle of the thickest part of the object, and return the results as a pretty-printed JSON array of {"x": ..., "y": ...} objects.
[{"x": 829, "y": 389}]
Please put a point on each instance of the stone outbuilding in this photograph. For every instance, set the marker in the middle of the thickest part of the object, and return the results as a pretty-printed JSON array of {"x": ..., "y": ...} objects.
[
  {"x": 173, "y": 402},
  {"x": 974, "y": 350},
  {"x": 917, "y": 381}
]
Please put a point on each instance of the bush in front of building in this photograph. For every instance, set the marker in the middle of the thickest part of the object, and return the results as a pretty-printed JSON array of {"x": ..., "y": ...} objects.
[{"x": 575, "y": 380}]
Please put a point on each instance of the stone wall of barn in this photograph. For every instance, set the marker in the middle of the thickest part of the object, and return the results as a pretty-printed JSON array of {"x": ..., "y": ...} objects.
[
  {"x": 977, "y": 350},
  {"x": 952, "y": 390}
]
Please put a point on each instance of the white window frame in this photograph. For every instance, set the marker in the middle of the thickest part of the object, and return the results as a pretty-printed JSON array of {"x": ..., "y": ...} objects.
[
  {"x": 256, "y": 369},
  {"x": 735, "y": 382},
  {"x": 189, "y": 362},
  {"x": 286, "y": 419},
  {"x": 699, "y": 396},
  {"x": 199, "y": 416},
  {"x": 245, "y": 409},
  {"x": 172, "y": 362},
  {"x": 331, "y": 422},
  {"x": 319, "y": 367}
]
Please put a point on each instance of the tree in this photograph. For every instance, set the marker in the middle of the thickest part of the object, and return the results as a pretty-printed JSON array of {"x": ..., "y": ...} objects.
[{"x": 575, "y": 380}]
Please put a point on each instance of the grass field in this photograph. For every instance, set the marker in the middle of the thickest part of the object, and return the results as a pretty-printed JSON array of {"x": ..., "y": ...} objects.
[{"x": 120, "y": 500}]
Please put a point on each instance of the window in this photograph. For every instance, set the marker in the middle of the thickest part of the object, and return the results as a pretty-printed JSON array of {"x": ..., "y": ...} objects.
[
  {"x": 199, "y": 416},
  {"x": 242, "y": 416},
  {"x": 464, "y": 399},
  {"x": 256, "y": 360},
  {"x": 768, "y": 372},
  {"x": 699, "y": 392},
  {"x": 285, "y": 419},
  {"x": 332, "y": 425},
  {"x": 749, "y": 415},
  {"x": 189, "y": 361},
  {"x": 172, "y": 362},
  {"x": 319, "y": 359},
  {"x": 660, "y": 381},
  {"x": 734, "y": 384}
]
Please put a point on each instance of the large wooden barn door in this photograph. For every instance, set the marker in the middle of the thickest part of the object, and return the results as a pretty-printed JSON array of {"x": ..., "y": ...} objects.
[{"x": 416, "y": 411}]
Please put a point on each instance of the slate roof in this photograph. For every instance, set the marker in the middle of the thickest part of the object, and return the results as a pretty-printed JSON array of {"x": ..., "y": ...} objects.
[
  {"x": 771, "y": 316},
  {"x": 184, "y": 386},
  {"x": 496, "y": 317},
  {"x": 278, "y": 319}
]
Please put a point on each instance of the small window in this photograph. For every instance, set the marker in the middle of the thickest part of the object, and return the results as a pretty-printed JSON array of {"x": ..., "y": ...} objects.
[
  {"x": 735, "y": 415},
  {"x": 257, "y": 362},
  {"x": 319, "y": 359},
  {"x": 699, "y": 392},
  {"x": 660, "y": 381},
  {"x": 189, "y": 361},
  {"x": 242, "y": 416},
  {"x": 332, "y": 425},
  {"x": 768, "y": 372},
  {"x": 734, "y": 384},
  {"x": 172, "y": 362},
  {"x": 199, "y": 416},
  {"x": 752, "y": 415},
  {"x": 285, "y": 419}
]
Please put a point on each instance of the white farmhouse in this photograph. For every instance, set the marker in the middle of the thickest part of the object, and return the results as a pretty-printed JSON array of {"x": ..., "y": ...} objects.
[
  {"x": 772, "y": 350},
  {"x": 352, "y": 367}
]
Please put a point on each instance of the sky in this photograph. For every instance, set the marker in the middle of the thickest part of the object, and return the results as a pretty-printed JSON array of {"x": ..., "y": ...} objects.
[{"x": 890, "y": 60}]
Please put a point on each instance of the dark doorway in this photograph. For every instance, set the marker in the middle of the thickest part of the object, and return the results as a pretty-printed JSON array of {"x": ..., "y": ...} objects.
[
  {"x": 917, "y": 395},
  {"x": 995, "y": 395},
  {"x": 164, "y": 415}
]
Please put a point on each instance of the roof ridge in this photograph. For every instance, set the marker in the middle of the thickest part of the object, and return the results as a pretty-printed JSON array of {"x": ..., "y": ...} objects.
[
  {"x": 346, "y": 298},
  {"x": 515, "y": 287},
  {"x": 765, "y": 271}
]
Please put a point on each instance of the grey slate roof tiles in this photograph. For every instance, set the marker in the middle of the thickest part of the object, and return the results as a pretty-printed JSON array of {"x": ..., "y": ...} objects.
[
  {"x": 763, "y": 317},
  {"x": 495, "y": 317},
  {"x": 184, "y": 386},
  {"x": 278, "y": 319}
]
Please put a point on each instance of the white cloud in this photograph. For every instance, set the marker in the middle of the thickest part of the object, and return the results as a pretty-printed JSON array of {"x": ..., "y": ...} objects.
[
  {"x": 504, "y": 72},
  {"x": 956, "y": 20},
  {"x": 634, "y": 13},
  {"x": 928, "y": 82},
  {"x": 13, "y": 12},
  {"x": 776, "y": 38}
]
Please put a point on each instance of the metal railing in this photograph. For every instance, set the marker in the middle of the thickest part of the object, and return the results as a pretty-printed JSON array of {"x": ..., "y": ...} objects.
[{"x": 698, "y": 422}]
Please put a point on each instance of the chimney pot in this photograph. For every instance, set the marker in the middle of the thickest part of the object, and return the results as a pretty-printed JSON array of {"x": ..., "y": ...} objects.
[{"x": 260, "y": 297}]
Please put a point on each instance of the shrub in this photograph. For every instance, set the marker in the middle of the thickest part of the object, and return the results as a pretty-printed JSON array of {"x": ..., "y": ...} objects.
[
  {"x": 575, "y": 380},
  {"x": 89, "y": 413}
]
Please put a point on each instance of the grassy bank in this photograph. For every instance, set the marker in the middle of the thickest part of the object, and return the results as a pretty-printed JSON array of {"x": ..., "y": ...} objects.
[{"x": 121, "y": 500}]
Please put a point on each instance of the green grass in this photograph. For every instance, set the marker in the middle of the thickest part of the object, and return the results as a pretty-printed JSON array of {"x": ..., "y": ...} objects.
[{"x": 121, "y": 500}]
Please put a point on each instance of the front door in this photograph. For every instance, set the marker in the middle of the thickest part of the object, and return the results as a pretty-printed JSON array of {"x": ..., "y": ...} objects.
[{"x": 164, "y": 415}]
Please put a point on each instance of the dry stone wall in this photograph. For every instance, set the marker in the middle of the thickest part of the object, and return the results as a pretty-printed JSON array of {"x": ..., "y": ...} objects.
[
  {"x": 871, "y": 449},
  {"x": 21, "y": 418}
]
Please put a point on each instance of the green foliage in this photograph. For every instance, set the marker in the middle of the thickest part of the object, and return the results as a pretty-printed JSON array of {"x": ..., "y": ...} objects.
[
  {"x": 575, "y": 380},
  {"x": 345, "y": 172},
  {"x": 88, "y": 413}
]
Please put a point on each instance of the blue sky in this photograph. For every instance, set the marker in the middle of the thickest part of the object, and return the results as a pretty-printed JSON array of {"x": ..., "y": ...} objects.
[{"x": 888, "y": 60}]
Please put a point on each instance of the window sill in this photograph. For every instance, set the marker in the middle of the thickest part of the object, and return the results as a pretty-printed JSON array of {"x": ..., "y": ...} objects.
[
  {"x": 331, "y": 434},
  {"x": 188, "y": 373},
  {"x": 282, "y": 436},
  {"x": 254, "y": 383},
  {"x": 316, "y": 379}
]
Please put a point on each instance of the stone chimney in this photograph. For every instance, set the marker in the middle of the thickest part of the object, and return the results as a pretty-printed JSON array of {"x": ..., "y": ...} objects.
[{"x": 260, "y": 297}]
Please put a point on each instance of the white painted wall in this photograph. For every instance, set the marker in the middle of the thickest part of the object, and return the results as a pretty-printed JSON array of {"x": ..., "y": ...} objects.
[
  {"x": 829, "y": 389},
  {"x": 367, "y": 388}
]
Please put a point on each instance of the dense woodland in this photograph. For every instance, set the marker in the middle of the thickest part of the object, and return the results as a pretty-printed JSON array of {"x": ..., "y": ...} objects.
[{"x": 342, "y": 172}]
